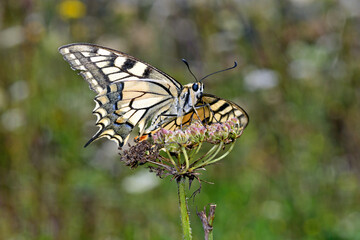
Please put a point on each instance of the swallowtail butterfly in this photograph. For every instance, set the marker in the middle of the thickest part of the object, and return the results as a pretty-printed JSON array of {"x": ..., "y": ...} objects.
[{"x": 133, "y": 93}]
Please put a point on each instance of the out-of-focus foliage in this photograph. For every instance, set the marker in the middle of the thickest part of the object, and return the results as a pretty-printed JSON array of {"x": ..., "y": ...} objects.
[{"x": 294, "y": 173}]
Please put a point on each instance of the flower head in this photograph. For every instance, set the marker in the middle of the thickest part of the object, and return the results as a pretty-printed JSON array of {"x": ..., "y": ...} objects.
[{"x": 175, "y": 152}]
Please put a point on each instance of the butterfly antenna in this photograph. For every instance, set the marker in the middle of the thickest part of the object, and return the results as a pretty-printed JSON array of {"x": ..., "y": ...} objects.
[
  {"x": 235, "y": 65},
  {"x": 187, "y": 64}
]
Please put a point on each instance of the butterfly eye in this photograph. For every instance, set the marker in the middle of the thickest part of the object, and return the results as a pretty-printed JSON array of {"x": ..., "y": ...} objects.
[{"x": 195, "y": 87}]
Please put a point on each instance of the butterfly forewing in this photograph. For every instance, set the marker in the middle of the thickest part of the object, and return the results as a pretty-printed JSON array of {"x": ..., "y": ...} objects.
[
  {"x": 101, "y": 66},
  {"x": 129, "y": 91}
]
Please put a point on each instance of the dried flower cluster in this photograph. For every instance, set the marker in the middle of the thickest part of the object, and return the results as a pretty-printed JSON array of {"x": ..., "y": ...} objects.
[
  {"x": 175, "y": 152},
  {"x": 140, "y": 154}
]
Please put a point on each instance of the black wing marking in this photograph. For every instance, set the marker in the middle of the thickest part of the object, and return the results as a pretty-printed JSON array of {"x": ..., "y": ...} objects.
[{"x": 101, "y": 66}]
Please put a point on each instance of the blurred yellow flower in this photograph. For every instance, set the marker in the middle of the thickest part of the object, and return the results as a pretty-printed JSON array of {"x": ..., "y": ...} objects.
[{"x": 72, "y": 9}]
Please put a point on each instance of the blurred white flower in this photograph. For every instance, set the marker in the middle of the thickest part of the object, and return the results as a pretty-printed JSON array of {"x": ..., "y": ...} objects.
[
  {"x": 302, "y": 69},
  {"x": 19, "y": 90},
  {"x": 11, "y": 36},
  {"x": 140, "y": 182},
  {"x": 12, "y": 119},
  {"x": 261, "y": 79}
]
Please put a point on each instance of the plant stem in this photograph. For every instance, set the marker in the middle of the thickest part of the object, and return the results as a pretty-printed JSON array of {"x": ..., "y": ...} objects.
[
  {"x": 172, "y": 160},
  {"x": 208, "y": 221},
  {"x": 186, "y": 158},
  {"x": 194, "y": 152},
  {"x": 220, "y": 146},
  {"x": 211, "y": 220},
  {"x": 210, "y": 155},
  {"x": 184, "y": 214},
  {"x": 222, "y": 156},
  {"x": 196, "y": 163}
]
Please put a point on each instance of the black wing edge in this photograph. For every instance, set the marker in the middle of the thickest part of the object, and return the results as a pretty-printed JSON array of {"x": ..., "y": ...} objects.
[
  {"x": 179, "y": 85},
  {"x": 216, "y": 97}
]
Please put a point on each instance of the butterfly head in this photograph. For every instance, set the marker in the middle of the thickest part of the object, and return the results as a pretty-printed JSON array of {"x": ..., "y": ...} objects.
[
  {"x": 195, "y": 90},
  {"x": 190, "y": 95}
]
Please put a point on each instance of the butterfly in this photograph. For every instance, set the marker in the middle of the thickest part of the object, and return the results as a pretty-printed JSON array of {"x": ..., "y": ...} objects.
[{"x": 133, "y": 93}]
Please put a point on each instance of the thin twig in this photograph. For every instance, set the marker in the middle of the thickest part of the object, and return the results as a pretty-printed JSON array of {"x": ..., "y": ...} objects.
[
  {"x": 207, "y": 221},
  {"x": 160, "y": 164}
]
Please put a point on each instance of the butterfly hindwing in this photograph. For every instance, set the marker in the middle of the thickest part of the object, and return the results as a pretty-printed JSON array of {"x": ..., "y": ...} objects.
[
  {"x": 222, "y": 110},
  {"x": 210, "y": 109}
]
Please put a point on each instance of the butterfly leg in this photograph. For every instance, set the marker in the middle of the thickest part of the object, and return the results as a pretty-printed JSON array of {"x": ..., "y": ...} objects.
[
  {"x": 208, "y": 105},
  {"x": 212, "y": 112},
  {"x": 197, "y": 114},
  {"x": 160, "y": 123},
  {"x": 181, "y": 123},
  {"x": 202, "y": 120}
]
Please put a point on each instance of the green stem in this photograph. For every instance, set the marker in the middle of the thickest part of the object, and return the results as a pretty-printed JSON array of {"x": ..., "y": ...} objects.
[
  {"x": 160, "y": 164},
  {"x": 184, "y": 214},
  {"x": 210, "y": 151},
  {"x": 210, "y": 237},
  {"x": 196, "y": 150},
  {"x": 172, "y": 160},
  {"x": 222, "y": 156},
  {"x": 216, "y": 153},
  {"x": 210, "y": 155},
  {"x": 196, "y": 163},
  {"x": 186, "y": 158}
]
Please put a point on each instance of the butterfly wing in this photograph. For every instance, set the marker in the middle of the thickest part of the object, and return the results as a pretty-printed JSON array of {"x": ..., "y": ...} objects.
[
  {"x": 210, "y": 109},
  {"x": 129, "y": 91}
]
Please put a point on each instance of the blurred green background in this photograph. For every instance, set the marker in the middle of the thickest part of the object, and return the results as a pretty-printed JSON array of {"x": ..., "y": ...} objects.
[{"x": 294, "y": 173}]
